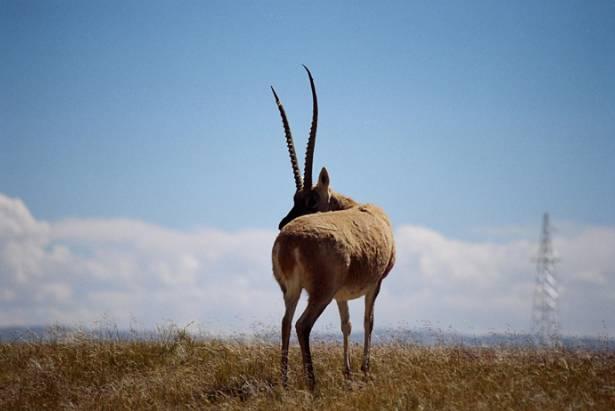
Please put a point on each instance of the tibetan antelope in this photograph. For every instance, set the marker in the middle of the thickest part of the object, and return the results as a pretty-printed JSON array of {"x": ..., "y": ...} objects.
[{"x": 331, "y": 246}]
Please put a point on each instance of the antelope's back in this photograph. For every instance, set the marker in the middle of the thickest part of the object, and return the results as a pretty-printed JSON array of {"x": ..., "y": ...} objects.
[{"x": 346, "y": 249}]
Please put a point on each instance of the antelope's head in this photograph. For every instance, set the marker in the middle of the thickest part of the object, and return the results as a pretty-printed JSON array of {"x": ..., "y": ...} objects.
[{"x": 308, "y": 199}]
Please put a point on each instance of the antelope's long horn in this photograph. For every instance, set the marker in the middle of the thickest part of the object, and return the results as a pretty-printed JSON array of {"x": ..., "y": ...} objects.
[
  {"x": 309, "y": 152},
  {"x": 289, "y": 143}
]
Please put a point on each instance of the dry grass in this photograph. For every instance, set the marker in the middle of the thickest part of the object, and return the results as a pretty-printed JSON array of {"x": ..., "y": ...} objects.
[{"x": 174, "y": 371}]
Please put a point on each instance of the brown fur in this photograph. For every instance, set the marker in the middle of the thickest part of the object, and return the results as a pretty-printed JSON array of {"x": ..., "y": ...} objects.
[{"x": 344, "y": 250}]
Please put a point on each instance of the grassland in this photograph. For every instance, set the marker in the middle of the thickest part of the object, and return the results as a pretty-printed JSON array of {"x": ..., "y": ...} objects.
[{"x": 175, "y": 371}]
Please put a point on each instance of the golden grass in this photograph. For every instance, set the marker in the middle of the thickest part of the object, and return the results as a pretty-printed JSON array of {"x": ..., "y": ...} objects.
[{"x": 175, "y": 371}]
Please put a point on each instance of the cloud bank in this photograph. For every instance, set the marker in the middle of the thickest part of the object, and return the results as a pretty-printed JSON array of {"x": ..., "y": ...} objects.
[{"x": 78, "y": 272}]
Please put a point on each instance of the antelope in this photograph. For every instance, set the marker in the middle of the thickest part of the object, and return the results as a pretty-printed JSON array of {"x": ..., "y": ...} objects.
[{"x": 331, "y": 246}]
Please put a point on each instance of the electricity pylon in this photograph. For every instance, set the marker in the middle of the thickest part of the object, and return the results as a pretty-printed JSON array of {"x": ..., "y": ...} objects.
[{"x": 545, "y": 310}]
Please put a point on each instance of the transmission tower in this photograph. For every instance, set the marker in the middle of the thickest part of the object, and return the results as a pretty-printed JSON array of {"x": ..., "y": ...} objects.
[{"x": 545, "y": 310}]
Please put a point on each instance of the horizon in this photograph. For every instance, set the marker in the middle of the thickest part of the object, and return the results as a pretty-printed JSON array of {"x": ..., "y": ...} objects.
[{"x": 424, "y": 336}]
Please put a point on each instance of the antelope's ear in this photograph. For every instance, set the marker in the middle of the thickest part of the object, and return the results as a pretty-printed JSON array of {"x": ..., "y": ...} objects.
[{"x": 323, "y": 180}]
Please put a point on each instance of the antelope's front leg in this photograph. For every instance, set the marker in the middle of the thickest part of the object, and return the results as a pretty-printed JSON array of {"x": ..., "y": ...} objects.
[{"x": 346, "y": 329}]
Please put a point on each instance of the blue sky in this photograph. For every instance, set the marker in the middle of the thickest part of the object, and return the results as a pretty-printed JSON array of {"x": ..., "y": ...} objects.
[
  {"x": 451, "y": 116},
  {"x": 464, "y": 118}
]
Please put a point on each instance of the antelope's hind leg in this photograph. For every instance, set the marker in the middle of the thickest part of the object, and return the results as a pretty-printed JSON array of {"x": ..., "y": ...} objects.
[
  {"x": 304, "y": 326},
  {"x": 291, "y": 297},
  {"x": 346, "y": 329},
  {"x": 368, "y": 324}
]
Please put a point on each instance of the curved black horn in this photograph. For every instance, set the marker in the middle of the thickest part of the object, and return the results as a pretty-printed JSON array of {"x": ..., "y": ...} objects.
[
  {"x": 289, "y": 143},
  {"x": 309, "y": 153}
]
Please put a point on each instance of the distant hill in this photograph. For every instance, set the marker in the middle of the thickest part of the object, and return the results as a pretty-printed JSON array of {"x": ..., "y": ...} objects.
[{"x": 421, "y": 337}]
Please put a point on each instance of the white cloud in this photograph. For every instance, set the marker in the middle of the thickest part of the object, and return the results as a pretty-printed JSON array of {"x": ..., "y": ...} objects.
[{"x": 81, "y": 271}]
